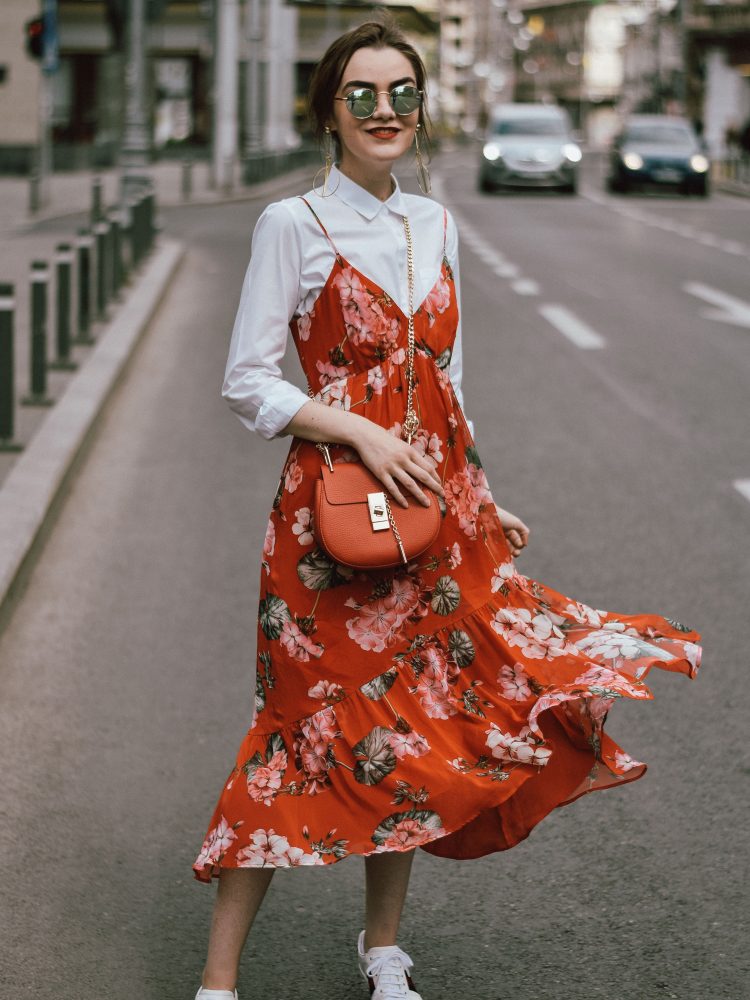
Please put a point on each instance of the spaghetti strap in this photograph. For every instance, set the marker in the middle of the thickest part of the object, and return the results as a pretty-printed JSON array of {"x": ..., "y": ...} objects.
[{"x": 335, "y": 248}]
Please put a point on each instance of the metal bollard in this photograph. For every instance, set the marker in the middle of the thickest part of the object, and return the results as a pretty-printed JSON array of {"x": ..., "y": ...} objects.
[
  {"x": 115, "y": 222},
  {"x": 64, "y": 262},
  {"x": 39, "y": 284},
  {"x": 96, "y": 201},
  {"x": 109, "y": 261},
  {"x": 126, "y": 233},
  {"x": 148, "y": 221},
  {"x": 187, "y": 179},
  {"x": 139, "y": 232},
  {"x": 84, "y": 242},
  {"x": 135, "y": 255},
  {"x": 7, "y": 386},
  {"x": 101, "y": 229},
  {"x": 34, "y": 190},
  {"x": 227, "y": 186}
]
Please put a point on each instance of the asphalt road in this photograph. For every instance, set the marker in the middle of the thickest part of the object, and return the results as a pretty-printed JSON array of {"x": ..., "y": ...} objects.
[{"x": 126, "y": 671}]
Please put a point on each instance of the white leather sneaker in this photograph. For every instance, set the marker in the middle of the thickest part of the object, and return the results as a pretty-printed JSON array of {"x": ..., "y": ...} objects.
[
  {"x": 386, "y": 970},
  {"x": 204, "y": 994}
]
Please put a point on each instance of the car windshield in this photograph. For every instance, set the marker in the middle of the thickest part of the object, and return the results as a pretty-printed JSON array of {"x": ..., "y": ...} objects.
[
  {"x": 669, "y": 135},
  {"x": 529, "y": 126}
]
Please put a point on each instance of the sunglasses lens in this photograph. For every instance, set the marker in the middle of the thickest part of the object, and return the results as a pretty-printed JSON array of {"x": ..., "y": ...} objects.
[
  {"x": 405, "y": 100},
  {"x": 361, "y": 103}
]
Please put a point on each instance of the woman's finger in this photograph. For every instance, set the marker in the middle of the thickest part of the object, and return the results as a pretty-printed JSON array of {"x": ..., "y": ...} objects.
[
  {"x": 424, "y": 464},
  {"x": 428, "y": 477},
  {"x": 432, "y": 472},
  {"x": 411, "y": 485},
  {"x": 390, "y": 483}
]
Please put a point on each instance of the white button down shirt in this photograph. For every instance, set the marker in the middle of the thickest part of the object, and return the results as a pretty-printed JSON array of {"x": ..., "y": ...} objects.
[{"x": 289, "y": 266}]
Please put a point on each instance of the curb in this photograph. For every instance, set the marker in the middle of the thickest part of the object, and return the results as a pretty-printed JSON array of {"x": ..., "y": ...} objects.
[
  {"x": 732, "y": 187},
  {"x": 35, "y": 482}
]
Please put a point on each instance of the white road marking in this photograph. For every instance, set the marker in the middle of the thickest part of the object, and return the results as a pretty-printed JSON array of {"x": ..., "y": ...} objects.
[
  {"x": 497, "y": 262},
  {"x": 743, "y": 486},
  {"x": 570, "y": 326},
  {"x": 734, "y": 247},
  {"x": 495, "y": 258},
  {"x": 507, "y": 270},
  {"x": 730, "y": 309},
  {"x": 525, "y": 286}
]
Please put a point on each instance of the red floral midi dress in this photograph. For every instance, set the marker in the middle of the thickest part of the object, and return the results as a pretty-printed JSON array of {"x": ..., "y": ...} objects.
[{"x": 450, "y": 704}]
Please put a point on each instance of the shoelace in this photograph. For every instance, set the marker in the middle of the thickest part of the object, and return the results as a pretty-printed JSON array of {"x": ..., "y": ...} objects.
[{"x": 390, "y": 970}]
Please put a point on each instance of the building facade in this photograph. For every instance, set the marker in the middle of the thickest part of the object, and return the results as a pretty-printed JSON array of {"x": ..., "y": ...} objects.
[
  {"x": 717, "y": 54},
  {"x": 88, "y": 90}
]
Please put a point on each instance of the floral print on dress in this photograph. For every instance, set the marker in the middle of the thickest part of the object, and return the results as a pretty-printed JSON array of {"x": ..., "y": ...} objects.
[
  {"x": 363, "y": 314},
  {"x": 467, "y": 492},
  {"x": 268, "y": 849},
  {"x": 438, "y": 300},
  {"x": 416, "y": 706}
]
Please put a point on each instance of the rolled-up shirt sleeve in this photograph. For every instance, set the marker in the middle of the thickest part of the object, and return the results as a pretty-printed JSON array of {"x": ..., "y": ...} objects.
[
  {"x": 455, "y": 369},
  {"x": 253, "y": 385}
]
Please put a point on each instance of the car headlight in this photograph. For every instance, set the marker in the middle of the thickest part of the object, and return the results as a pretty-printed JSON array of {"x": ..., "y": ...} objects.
[
  {"x": 571, "y": 152},
  {"x": 632, "y": 161},
  {"x": 699, "y": 163},
  {"x": 491, "y": 151}
]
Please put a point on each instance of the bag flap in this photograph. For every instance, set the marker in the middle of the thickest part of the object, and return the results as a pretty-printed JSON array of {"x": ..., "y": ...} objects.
[{"x": 350, "y": 482}]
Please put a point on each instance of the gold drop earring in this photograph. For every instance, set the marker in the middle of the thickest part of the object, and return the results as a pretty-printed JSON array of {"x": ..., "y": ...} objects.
[
  {"x": 329, "y": 148},
  {"x": 423, "y": 174}
]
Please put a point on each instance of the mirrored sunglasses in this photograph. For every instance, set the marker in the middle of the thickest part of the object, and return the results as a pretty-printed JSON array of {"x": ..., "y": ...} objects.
[{"x": 363, "y": 101}]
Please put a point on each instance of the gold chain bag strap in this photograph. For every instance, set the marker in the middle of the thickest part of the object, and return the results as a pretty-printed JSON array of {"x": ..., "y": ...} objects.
[{"x": 353, "y": 520}]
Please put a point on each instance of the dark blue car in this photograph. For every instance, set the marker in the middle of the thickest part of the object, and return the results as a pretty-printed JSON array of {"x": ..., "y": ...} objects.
[{"x": 658, "y": 150}]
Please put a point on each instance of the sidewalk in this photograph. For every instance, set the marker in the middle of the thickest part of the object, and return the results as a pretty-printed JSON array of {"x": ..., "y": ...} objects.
[
  {"x": 70, "y": 193},
  {"x": 25, "y": 238},
  {"x": 732, "y": 176},
  {"x": 33, "y": 480}
]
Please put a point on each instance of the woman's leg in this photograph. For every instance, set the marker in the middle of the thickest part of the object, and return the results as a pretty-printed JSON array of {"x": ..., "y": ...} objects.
[
  {"x": 238, "y": 897},
  {"x": 387, "y": 879}
]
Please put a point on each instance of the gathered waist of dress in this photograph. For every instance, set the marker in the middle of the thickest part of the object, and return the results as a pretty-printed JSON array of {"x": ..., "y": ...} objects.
[
  {"x": 379, "y": 394},
  {"x": 334, "y": 379}
]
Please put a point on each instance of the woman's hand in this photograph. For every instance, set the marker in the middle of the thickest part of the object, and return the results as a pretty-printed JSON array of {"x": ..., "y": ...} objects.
[
  {"x": 516, "y": 532},
  {"x": 397, "y": 464}
]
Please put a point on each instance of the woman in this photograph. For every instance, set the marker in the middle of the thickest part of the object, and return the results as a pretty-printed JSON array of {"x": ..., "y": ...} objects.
[{"x": 450, "y": 704}]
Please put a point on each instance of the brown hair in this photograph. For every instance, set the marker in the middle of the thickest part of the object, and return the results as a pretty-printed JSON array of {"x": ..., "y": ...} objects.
[{"x": 378, "y": 34}]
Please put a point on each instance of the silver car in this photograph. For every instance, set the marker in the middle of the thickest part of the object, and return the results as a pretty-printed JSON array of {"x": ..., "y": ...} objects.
[{"x": 529, "y": 145}]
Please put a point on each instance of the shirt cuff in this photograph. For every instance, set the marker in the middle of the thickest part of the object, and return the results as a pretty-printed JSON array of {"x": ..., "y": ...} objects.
[{"x": 278, "y": 407}]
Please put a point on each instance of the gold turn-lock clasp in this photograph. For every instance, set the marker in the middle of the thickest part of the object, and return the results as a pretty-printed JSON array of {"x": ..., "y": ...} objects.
[
  {"x": 378, "y": 511},
  {"x": 327, "y": 455}
]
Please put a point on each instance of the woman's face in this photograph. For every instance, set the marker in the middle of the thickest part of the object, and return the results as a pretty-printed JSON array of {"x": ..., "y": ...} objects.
[{"x": 385, "y": 136}]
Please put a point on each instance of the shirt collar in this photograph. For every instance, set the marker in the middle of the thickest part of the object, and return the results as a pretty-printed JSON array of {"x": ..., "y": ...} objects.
[{"x": 357, "y": 197}]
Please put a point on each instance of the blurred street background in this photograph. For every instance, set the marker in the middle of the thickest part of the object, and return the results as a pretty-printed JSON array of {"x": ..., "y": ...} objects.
[{"x": 604, "y": 259}]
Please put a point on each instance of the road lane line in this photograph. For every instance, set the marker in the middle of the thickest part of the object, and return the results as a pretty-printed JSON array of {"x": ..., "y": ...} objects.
[
  {"x": 743, "y": 486},
  {"x": 668, "y": 224},
  {"x": 525, "y": 286},
  {"x": 496, "y": 261},
  {"x": 506, "y": 270},
  {"x": 570, "y": 326},
  {"x": 729, "y": 309}
]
